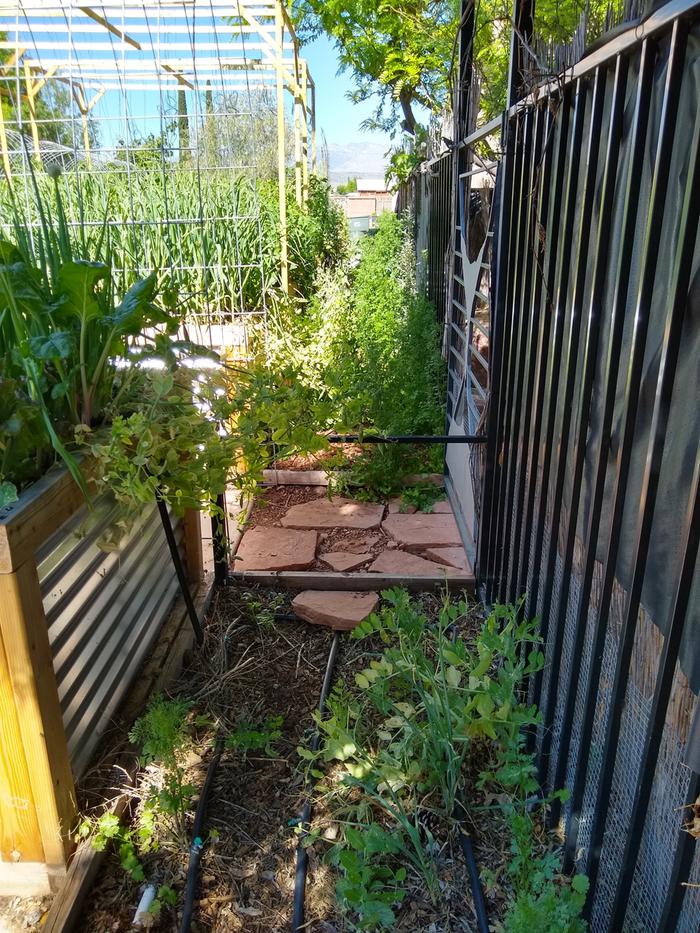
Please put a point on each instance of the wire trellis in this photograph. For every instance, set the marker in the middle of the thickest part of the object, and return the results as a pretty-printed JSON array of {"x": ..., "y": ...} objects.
[{"x": 160, "y": 124}]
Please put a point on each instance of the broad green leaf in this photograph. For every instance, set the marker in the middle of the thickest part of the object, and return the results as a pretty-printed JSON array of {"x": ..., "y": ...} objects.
[
  {"x": 453, "y": 676},
  {"x": 77, "y": 281}
]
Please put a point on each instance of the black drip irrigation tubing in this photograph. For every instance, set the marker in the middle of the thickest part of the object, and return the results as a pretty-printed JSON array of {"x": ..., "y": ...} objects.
[
  {"x": 302, "y": 854},
  {"x": 465, "y": 840},
  {"x": 197, "y": 843}
]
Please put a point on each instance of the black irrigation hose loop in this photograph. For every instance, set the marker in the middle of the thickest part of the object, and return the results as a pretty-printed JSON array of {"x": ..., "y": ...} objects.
[
  {"x": 482, "y": 920},
  {"x": 197, "y": 843},
  {"x": 302, "y": 863}
]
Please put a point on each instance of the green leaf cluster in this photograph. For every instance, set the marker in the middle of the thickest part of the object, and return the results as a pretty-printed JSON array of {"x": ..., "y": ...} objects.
[{"x": 400, "y": 734}]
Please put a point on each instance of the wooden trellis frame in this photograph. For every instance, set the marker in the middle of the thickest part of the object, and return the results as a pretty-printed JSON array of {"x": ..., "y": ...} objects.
[{"x": 167, "y": 45}]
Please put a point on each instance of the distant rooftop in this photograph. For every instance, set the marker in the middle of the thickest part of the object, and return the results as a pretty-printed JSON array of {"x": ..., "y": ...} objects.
[{"x": 371, "y": 184}]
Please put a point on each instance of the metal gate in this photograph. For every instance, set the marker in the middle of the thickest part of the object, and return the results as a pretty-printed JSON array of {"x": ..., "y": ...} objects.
[{"x": 573, "y": 333}]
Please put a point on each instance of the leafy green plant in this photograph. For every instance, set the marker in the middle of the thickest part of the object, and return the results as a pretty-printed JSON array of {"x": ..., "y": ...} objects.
[
  {"x": 422, "y": 497},
  {"x": 400, "y": 735},
  {"x": 106, "y": 830},
  {"x": 248, "y": 737},
  {"x": 163, "y": 733},
  {"x": 369, "y": 888}
]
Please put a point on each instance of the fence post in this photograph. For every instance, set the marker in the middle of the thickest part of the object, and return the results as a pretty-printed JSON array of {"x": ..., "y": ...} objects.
[{"x": 37, "y": 805}]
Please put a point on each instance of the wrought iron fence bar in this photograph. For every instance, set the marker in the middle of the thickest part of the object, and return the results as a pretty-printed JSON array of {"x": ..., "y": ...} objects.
[
  {"x": 544, "y": 291},
  {"x": 595, "y": 312},
  {"x": 489, "y": 505},
  {"x": 523, "y": 264},
  {"x": 647, "y": 502},
  {"x": 569, "y": 374},
  {"x": 551, "y": 392},
  {"x": 532, "y": 293},
  {"x": 622, "y": 265},
  {"x": 522, "y": 143}
]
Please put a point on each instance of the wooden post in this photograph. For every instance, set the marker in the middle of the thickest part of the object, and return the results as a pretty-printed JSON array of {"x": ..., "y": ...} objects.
[
  {"x": 281, "y": 155},
  {"x": 31, "y": 105},
  {"x": 3, "y": 146},
  {"x": 37, "y": 806},
  {"x": 304, "y": 135},
  {"x": 298, "y": 118},
  {"x": 194, "y": 555},
  {"x": 313, "y": 124}
]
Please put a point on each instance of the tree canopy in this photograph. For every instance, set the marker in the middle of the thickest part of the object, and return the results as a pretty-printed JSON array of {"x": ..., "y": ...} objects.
[
  {"x": 398, "y": 50},
  {"x": 402, "y": 51}
]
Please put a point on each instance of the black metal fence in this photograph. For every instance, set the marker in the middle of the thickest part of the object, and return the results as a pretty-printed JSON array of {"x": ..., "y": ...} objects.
[
  {"x": 590, "y": 483},
  {"x": 573, "y": 340}
]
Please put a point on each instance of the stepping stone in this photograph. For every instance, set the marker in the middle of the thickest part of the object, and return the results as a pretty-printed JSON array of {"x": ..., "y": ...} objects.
[
  {"x": 267, "y": 547},
  {"x": 450, "y": 557},
  {"x": 408, "y": 565},
  {"x": 337, "y": 610},
  {"x": 442, "y": 507},
  {"x": 420, "y": 531},
  {"x": 334, "y": 513},
  {"x": 344, "y": 560}
]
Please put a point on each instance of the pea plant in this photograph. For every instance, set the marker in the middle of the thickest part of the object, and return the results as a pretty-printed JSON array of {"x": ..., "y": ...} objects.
[{"x": 392, "y": 763}]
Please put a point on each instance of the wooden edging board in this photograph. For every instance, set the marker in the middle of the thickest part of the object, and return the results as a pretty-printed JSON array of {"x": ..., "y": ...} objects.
[{"x": 319, "y": 580}]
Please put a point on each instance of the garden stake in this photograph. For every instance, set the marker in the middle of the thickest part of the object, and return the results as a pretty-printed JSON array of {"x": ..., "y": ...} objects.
[
  {"x": 179, "y": 569},
  {"x": 220, "y": 541},
  {"x": 197, "y": 842},
  {"x": 302, "y": 855}
]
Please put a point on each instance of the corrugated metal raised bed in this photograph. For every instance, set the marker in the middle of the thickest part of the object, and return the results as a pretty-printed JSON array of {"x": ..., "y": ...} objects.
[{"x": 77, "y": 619}]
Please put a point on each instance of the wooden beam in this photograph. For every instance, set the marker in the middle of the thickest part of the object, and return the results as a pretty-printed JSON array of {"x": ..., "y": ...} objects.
[
  {"x": 178, "y": 77},
  {"x": 281, "y": 154},
  {"x": 110, "y": 27},
  {"x": 29, "y": 691}
]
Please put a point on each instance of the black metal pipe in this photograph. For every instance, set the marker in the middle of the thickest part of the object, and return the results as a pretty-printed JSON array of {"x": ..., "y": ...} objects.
[
  {"x": 482, "y": 920},
  {"x": 302, "y": 863},
  {"x": 197, "y": 843},
  {"x": 219, "y": 538},
  {"x": 179, "y": 569},
  {"x": 406, "y": 439}
]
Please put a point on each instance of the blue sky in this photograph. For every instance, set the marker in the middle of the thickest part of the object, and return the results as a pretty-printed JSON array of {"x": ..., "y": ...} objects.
[{"x": 337, "y": 116}]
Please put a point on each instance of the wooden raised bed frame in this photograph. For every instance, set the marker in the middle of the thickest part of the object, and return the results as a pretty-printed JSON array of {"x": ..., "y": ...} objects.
[{"x": 37, "y": 793}]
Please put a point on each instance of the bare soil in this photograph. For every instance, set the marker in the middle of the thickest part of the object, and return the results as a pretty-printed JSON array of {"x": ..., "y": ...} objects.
[{"x": 252, "y": 666}]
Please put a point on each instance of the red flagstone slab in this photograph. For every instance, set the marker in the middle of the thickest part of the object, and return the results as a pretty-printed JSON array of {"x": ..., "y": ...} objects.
[
  {"x": 408, "y": 565},
  {"x": 267, "y": 547},
  {"x": 344, "y": 560},
  {"x": 442, "y": 507},
  {"x": 420, "y": 531},
  {"x": 337, "y": 610},
  {"x": 334, "y": 513},
  {"x": 450, "y": 557}
]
